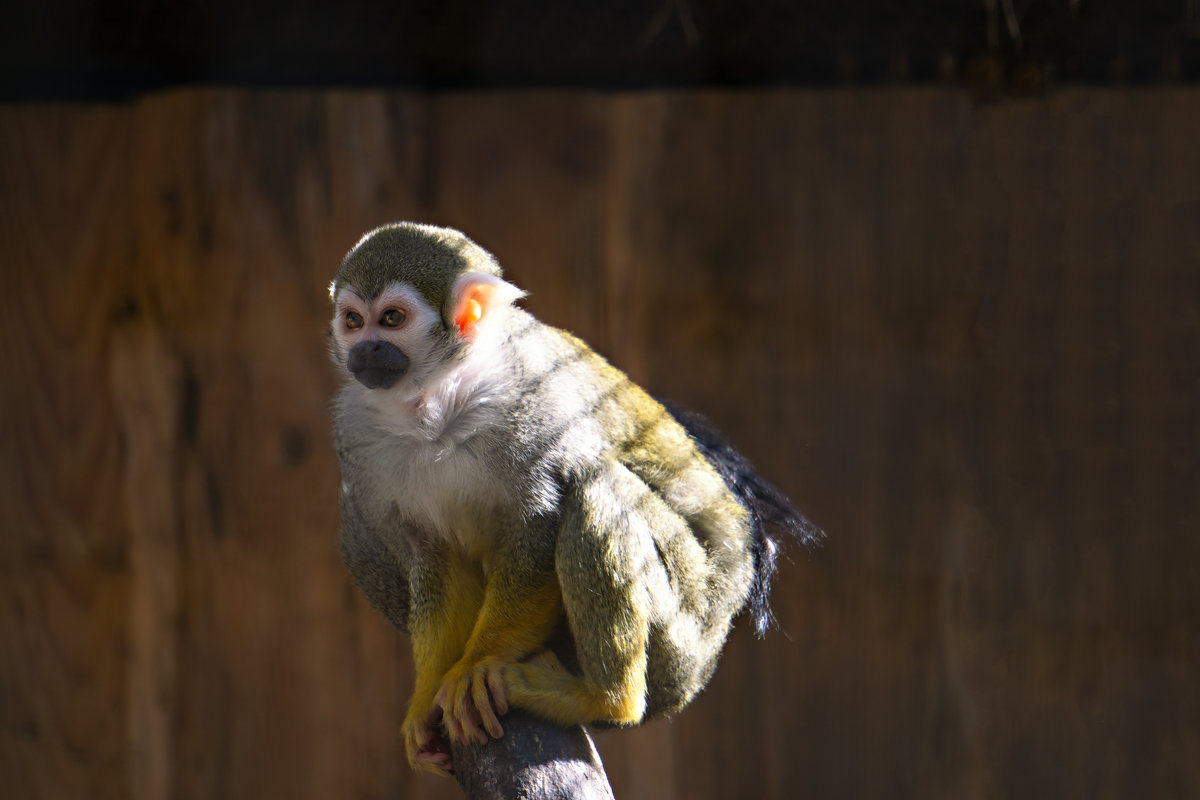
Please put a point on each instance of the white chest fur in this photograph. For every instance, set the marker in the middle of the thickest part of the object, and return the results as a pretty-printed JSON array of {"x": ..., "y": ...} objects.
[
  {"x": 444, "y": 488},
  {"x": 434, "y": 453},
  {"x": 450, "y": 496}
]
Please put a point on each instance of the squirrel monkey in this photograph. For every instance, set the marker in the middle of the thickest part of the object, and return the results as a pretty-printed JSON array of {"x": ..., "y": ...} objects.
[{"x": 549, "y": 535}]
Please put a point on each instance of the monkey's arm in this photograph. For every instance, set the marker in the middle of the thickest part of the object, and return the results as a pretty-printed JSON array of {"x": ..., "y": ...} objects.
[
  {"x": 607, "y": 566},
  {"x": 448, "y": 591},
  {"x": 447, "y": 598},
  {"x": 522, "y": 604},
  {"x": 381, "y": 573}
]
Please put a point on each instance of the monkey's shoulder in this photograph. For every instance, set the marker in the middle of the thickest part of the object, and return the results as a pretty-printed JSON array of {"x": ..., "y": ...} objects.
[{"x": 569, "y": 386}]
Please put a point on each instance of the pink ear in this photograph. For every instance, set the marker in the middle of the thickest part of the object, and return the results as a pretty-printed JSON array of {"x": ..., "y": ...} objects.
[
  {"x": 476, "y": 296},
  {"x": 472, "y": 305}
]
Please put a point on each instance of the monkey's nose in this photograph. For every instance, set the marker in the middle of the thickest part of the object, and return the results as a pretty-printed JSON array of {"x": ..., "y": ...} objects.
[{"x": 376, "y": 364}]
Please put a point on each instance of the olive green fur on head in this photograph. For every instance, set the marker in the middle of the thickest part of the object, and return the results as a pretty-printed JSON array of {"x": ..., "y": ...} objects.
[{"x": 427, "y": 257}]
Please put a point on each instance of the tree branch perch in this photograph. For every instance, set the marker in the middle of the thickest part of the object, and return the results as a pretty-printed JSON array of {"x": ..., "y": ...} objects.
[{"x": 534, "y": 760}]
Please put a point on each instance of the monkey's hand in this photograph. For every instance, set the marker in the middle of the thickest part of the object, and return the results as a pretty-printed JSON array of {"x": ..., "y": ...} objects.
[
  {"x": 472, "y": 694},
  {"x": 519, "y": 612},
  {"x": 424, "y": 744}
]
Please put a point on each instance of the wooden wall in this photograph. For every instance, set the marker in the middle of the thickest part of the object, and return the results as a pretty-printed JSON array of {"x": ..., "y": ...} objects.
[{"x": 966, "y": 340}]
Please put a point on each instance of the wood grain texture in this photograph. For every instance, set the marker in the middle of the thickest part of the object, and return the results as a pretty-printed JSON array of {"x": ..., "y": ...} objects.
[
  {"x": 962, "y": 338},
  {"x": 533, "y": 760}
]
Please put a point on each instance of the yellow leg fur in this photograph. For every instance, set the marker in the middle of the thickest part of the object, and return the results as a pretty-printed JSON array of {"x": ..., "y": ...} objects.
[
  {"x": 437, "y": 644},
  {"x": 513, "y": 623},
  {"x": 544, "y": 686}
]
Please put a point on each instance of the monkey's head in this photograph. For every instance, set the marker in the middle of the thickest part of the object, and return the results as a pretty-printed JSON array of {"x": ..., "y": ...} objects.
[{"x": 410, "y": 299}]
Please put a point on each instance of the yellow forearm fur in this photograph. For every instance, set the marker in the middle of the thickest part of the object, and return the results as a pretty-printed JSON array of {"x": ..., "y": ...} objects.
[
  {"x": 440, "y": 634},
  {"x": 515, "y": 620}
]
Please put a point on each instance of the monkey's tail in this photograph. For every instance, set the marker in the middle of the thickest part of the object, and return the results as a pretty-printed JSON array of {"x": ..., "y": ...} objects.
[{"x": 769, "y": 508}]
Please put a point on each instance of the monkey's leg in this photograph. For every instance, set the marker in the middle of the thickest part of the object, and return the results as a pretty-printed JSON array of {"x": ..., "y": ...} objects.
[
  {"x": 447, "y": 595},
  {"x": 610, "y": 572},
  {"x": 521, "y": 607},
  {"x": 544, "y": 686}
]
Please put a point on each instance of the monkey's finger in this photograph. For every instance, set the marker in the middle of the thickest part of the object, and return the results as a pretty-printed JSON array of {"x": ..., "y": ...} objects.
[
  {"x": 420, "y": 740},
  {"x": 427, "y": 754},
  {"x": 438, "y": 757},
  {"x": 452, "y": 715},
  {"x": 455, "y": 730},
  {"x": 437, "y": 763},
  {"x": 472, "y": 724},
  {"x": 449, "y": 718},
  {"x": 419, "y": 737},
  {"x": 466, "y": 726},
  {"x": 439, "y": 699},
  {"x": 483, "y": 707},
  {"x": 495, "y": 683},
  {"x": 461, "y": 721}
]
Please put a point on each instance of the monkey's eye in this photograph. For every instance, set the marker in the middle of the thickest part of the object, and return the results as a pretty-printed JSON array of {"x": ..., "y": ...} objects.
[
  {"x": 354, "y": 320},
  {"x": 392, "y": 318}
]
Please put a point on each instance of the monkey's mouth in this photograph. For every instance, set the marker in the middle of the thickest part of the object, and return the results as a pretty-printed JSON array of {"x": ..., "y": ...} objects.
[
  {"x": 379, "y": 378},
  {"x": 377, "y": 364}
]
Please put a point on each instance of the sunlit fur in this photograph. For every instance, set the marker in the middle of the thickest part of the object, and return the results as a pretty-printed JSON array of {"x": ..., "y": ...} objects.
[{"x": 514, "y": 481}]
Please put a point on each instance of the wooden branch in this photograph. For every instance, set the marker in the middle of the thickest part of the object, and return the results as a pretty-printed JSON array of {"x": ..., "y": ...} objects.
[{"x": 534, "y": 760}]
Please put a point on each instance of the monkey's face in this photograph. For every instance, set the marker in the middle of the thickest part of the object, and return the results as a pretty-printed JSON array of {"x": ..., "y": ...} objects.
[
  {"x": 387, "y": 340},
  {"x": 417, "y": 308}
]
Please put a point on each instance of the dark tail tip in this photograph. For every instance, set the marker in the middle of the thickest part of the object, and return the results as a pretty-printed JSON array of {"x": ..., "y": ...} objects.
[{"x": 770, "y": 511}]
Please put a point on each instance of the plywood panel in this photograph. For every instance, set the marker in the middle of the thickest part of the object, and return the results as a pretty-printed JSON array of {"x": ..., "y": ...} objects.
[
  {"x": 924, "y": 319},
  {"x": 962, "y": 338},
  {"x": 66, "y": 222}
]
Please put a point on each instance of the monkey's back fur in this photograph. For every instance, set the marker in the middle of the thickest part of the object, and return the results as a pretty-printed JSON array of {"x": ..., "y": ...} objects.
[{"x": 528, "y": 461}]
